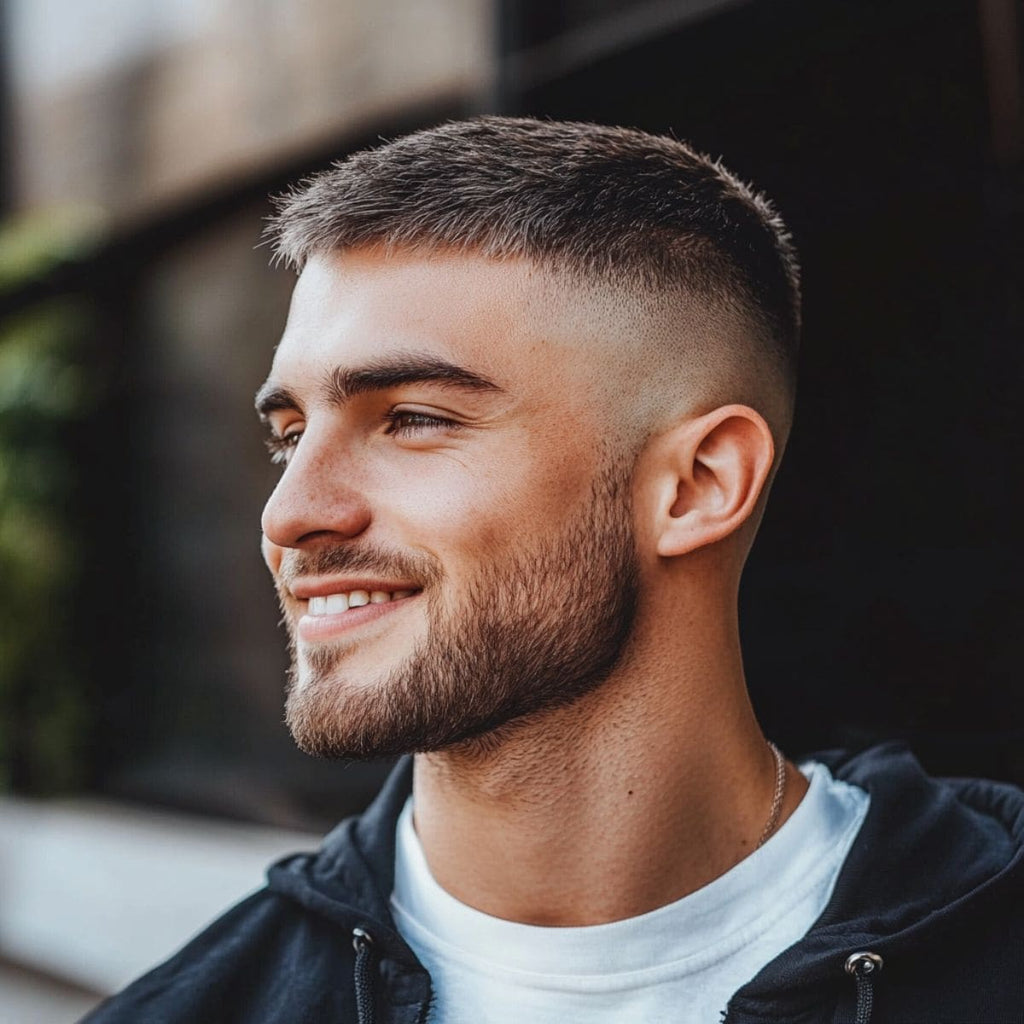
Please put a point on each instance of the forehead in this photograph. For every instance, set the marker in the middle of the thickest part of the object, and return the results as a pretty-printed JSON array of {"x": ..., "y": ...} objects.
[{"x": 501, "y": 319}]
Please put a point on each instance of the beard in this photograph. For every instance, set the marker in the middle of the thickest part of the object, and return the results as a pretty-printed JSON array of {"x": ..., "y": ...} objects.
[{"x": 532, "y": 632}]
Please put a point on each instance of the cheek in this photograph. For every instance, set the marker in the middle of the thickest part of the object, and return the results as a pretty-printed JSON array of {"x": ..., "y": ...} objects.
[
  {"x": 446, "y": 514},
  {"x": 494, "y": 504}
]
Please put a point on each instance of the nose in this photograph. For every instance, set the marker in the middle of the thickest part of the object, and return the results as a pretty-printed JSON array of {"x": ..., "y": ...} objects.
[{"x": 314, "y": 499}]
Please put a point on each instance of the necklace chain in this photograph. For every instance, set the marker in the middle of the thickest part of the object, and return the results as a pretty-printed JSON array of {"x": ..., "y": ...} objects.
[{"x": 780, "y": 791}]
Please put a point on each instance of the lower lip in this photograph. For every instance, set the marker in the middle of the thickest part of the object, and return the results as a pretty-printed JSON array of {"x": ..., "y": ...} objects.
[{"x": 316, "y": 628}]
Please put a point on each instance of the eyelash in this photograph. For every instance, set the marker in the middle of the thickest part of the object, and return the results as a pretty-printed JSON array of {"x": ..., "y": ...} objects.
[
  {"x": 400, "y": 424},
  {"x": 414, "y": 422},
  {"x": 279, "y": 447}
]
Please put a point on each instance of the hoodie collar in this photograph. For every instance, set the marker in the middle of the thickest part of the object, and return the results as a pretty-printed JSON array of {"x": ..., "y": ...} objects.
[
  {"x": 350, "y": 878},
  {"x": 929, "y": 852}
]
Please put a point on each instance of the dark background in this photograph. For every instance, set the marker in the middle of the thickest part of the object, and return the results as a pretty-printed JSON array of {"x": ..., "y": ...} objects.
[{"x": 884, "y": 596}]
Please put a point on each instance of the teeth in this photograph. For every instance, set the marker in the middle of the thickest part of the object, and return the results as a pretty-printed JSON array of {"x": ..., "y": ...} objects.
[{"x": 332, "y": 604}]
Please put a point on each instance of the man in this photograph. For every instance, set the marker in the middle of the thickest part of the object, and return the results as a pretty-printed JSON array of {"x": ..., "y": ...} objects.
[{"x": 535, "y": 383}]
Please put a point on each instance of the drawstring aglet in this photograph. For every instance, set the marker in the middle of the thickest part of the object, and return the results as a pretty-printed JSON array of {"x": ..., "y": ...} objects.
[{"x": 863, "y": 967}]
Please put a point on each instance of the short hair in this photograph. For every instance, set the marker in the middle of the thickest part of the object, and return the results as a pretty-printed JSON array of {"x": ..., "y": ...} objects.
[{"x": 606, "y": 204}]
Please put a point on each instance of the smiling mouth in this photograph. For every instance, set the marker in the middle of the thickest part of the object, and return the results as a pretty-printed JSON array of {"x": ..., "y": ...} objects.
[
  {"x": 331, "y": 616},
  {"x": 335, "y": 604}
]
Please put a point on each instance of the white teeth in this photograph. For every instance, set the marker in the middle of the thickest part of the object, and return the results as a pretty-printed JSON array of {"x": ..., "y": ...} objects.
[{"x": 332, "y": 604}]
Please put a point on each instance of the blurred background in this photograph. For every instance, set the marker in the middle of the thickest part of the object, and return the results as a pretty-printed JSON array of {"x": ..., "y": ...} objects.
[{"x": 145, "y": 775}]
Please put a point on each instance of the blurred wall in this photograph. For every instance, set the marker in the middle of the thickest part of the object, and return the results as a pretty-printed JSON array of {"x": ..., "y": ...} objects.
[{"x": 125, "y": 102}]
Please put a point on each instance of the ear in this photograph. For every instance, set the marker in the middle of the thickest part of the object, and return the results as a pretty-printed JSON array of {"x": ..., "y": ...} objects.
[{"x": 713, "y": 471}]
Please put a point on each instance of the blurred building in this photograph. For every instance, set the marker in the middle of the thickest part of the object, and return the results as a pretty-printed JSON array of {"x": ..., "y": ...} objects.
[
  {"x": 131, "y": 103},
  {"x": 140, "y": 140}
]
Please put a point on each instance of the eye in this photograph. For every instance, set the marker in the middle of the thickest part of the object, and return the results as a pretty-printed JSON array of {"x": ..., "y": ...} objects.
[
  {"x": 405, "y": 423},
  {"x": 280, "y": 448}
]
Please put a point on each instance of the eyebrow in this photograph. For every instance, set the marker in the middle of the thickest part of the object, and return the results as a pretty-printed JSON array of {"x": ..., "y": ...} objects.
[{"x": 339, "y": 385}]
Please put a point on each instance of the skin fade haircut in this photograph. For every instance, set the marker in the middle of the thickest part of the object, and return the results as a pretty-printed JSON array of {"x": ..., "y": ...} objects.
[{"x": 597, "y": 204}]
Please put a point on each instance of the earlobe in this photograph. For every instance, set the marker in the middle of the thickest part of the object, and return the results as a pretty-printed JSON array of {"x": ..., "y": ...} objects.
[{"x": 717, "y": 469}]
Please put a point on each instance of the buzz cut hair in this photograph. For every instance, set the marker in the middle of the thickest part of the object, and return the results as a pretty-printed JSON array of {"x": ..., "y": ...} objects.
[{"x": 601, "y": 204}]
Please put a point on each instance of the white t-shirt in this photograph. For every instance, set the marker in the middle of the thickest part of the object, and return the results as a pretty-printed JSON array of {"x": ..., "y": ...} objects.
[{"x": 680, "y": 963}]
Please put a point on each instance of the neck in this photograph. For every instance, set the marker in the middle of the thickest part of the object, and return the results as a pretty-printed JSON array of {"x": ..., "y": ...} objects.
[{"x": 629, "y": 799}]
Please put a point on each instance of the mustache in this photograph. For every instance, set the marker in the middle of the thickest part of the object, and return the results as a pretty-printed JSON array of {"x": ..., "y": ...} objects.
[{"x": 384, "y": 562}]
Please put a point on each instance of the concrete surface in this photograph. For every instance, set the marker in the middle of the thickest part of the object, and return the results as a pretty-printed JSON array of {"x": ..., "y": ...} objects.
[
  {"x": 94, "y": 893},
  {"x": 29, "y": 998}
]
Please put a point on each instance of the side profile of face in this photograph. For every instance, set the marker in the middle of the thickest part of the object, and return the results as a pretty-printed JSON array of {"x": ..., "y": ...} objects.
[{"x": 452, "y": 538}]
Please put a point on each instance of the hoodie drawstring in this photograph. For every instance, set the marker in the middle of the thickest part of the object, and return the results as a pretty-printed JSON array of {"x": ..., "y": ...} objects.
[
  {"x": 863, "y": 967},
  {"x": 362, "y": 942}
]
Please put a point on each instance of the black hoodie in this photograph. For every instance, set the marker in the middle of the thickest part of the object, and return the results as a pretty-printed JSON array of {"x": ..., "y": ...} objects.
[{"x": 926, "y": 925}]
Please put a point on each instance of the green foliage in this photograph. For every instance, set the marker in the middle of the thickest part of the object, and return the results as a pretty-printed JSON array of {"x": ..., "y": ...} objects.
[{"x": 45, "y": 395}]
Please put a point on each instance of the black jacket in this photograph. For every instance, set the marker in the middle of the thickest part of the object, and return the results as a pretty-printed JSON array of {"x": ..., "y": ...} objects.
[{"x": 934, "y": 887}]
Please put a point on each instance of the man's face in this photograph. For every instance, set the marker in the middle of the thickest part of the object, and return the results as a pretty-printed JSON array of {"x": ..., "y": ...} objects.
[{"x": 451, "y": 542}]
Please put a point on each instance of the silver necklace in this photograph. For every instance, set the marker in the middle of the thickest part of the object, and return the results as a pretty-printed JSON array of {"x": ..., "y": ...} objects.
[{"x": 780, "y": 791}]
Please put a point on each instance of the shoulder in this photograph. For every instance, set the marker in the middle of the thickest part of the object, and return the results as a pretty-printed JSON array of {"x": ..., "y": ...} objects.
[
  {"x": 932, "y": 885},
  {"x": 930, "y": 848},
  {"x": 229, "y": 969},
  {"x": 285, "y": 953},
  {"x": 966, "y": 829}
]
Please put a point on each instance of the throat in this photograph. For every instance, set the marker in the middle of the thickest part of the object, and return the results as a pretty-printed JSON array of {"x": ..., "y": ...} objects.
[{"x": 584, "y": 841}]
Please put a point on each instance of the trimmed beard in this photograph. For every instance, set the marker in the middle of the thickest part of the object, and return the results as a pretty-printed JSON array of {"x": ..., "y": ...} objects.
[{"x": 534, "y": 632}]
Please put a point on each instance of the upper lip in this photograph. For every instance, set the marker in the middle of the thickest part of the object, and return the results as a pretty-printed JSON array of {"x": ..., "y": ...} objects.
[{"x": 303, "y": 590}]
